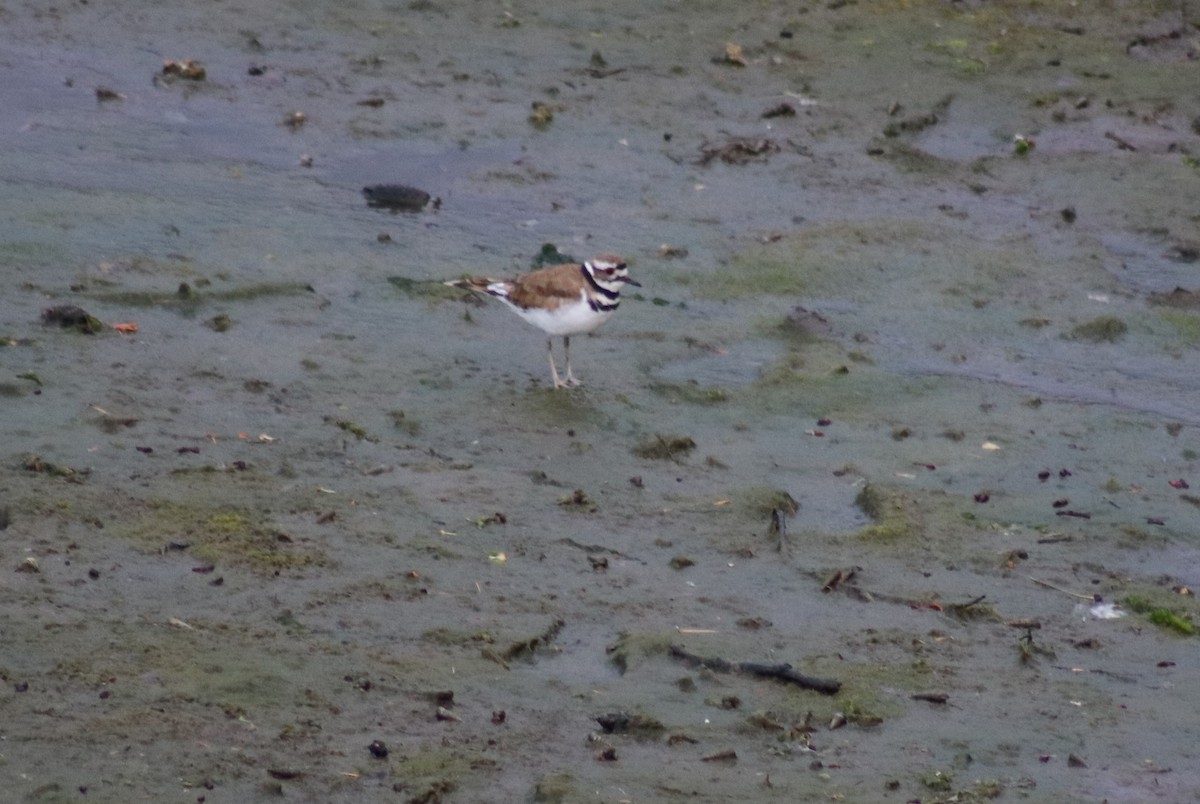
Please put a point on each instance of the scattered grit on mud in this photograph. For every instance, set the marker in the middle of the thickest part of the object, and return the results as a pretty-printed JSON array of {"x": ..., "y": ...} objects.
[{"x": 880, "y": 490}]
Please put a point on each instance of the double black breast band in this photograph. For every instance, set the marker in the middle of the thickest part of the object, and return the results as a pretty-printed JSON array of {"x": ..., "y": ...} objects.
[{"x": 611, "y": 295}]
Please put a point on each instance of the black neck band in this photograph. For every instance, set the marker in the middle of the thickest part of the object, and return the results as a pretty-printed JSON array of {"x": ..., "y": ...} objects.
[{"x": 611, "y": 295}]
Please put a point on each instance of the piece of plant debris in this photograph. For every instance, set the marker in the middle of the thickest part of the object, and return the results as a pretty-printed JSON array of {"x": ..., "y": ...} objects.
[
  {"x": 35, "y": 463},
  {"x": 295, "y": 121},
  {"x": 665, "y": 447},
  {"x": 187, "y": 70},
  {"x": 734, "y": 56},
  {"x": 542, "y": 115},
  {"x": 578, "y": 500},
  {"x": 738, "y": 150},
  {"x": 220, "y": 323},
  {"x": 526, "y": 648}
]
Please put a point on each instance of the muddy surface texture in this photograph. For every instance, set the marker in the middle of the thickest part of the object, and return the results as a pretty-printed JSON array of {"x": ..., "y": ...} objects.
[{"x": 906, "y": 406}]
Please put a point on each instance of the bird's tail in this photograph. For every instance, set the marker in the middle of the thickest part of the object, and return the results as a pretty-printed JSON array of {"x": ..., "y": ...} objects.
[{"x": 478, "y": 284}]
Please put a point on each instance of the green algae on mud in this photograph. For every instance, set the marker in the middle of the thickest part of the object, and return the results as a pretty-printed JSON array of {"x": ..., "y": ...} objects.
[
  {"x": 448, "y": 637},
  {"x": 216, "y": 532},
  {"x": 690, "y": 393},
  {"x": 815, "y": 371},
  {"x": 1103, "y": 329},
  {"x": 353, "y": 428},
  {"x": 187, "y": 299},
  {"x": 749, "y": 275},
  {"x": 759, "y": 502},
  {"x": 1185, "y": 326},
  {"x": 434, "y": 290},
  {"x": 554, "y": 788},
  {"x": 894, "y": 512},
  {"x": 665, "y": 447},
  {"x": 1170, "y": 610}
]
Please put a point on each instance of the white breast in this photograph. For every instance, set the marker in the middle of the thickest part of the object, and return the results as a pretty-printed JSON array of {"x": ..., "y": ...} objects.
[{"x": 567, "y": 319}]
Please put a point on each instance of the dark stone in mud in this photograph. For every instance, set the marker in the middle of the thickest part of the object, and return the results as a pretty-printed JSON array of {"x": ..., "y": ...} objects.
[
  {"x": 1185, "y": 252},
  {"x": 70, "y": 316},
  {"x": 378, "y": 749},
  {"x": 396, "y": 197},
  {"x": 625, "y": 723}
]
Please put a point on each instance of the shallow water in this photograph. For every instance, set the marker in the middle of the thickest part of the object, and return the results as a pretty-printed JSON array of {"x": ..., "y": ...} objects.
[{"x": 944, "y": 368}]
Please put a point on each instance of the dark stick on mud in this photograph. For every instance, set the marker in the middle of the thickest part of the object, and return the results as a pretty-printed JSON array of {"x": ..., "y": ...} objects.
[
  {"x": 779, "y": 529},
  {"x": 783, "y": 672},
  {"x": 931, "y": 697}
]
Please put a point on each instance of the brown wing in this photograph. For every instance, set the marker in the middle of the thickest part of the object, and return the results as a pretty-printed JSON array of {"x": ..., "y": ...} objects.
[{"x": 548, "y": 287}]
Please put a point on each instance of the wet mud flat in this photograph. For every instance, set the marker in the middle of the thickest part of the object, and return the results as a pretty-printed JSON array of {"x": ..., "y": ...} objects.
[{"x": 881, "y": 489}]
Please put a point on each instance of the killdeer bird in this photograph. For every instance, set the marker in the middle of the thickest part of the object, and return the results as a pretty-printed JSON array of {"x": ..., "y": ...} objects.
[{"x": 566, "y": 300}]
